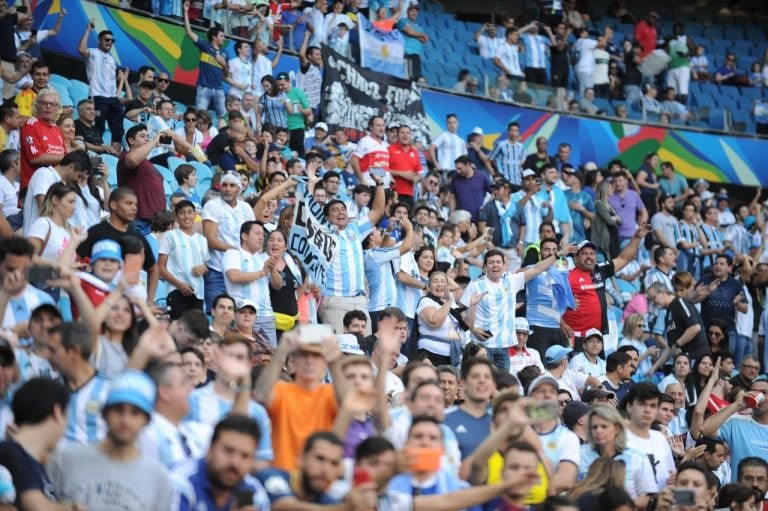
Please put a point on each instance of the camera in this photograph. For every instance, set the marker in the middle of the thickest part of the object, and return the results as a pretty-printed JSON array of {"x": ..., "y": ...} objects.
[{"x": 166, "y": 139}]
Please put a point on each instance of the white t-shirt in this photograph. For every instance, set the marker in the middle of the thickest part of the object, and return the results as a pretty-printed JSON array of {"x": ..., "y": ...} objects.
[
  {"x": 242, "y": 72},
  {"x": 448, "y": 330},
  {"x": 602, "y": 60},
  {"x": 488, "y": 46},
  {"x": 261, "y": 67},
  {"x": 58, "y": 239},
  {"x": 90, "y": 214},
  {"x": 572, "y": 382},
  {"x": 9, "y": 196},
  {"x": 586, "y": 63},
  {"x": 509, "y": 55},
  {"x": 101, "y": 69},
  {"x": 228, "y": 219},
  {"x": 41, "y": 181},
  {"x": 662, "y": 460},
  {"x": 561, "y": 445}
]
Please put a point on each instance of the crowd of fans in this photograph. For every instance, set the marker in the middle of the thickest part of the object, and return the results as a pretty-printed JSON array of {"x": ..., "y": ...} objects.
[{"x": 497, "y": 330}]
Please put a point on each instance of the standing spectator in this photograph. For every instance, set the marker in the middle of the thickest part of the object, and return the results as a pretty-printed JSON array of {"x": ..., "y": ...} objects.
[
  {"x": 241, "y": 68},
  {"x": 262, "y": 65},
  {"x": 315, "y": 16},
  {"x": 645, "y": 34},
  {"x": 724, "y": 301},
  {"x": 415, "y": 38},
  {"x": 222, "y": 218},
  {"x": 213, "y": 63},
  {"x": 43, "y": 141},
  {"x": 469, "y": 187},
  {"x": 508, "y": 155},
  {"x": 600, "y": 79},
  {"x": 299, "y": 117},
  {"x": 535, "y": 46},
  {"x": 10, "y": 18},
  {"x": 183, "y": 258},
  {"x": 628, "y": 205},
  {"x": 585, "y": 67},
  {"x": 135, "y": 171},
  {"x": 684, "y": 325},
  {"x": 310, "y": 77},
  {"x": 507, "y": 221},
  {"x": 477, "y": 153},
  {"x": 39, "y": 407},
  {"x": 345, "y": 285},
  {"x": 103, "y": 74},
  {"x": 371, "y": 152},
  {"x": 580, "y": 204},
  {"x": 507, "y": 57},
  {"x": 405, "y": 165},
  {"x": 487, "y": 41},
  {"x": 679, "y": 67},
  {"x": 633, "y": 78},
  {"x": 559, "y": 59},
  {"x": 447, "y": 146},
  {"x": 97, "y": 475},
  {"x": 551, "y": 194}
]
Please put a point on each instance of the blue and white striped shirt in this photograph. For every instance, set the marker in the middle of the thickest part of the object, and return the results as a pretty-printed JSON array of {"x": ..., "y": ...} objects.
[
  {"x": 84, "y": 422},
  {"x": 714, "y": 240},
  {"x": 184, "y": 252},
  {"x": 209, "y": 408},
  {"x": 496, "y": 312},
  {"x": 449, "y": 147},
  {"x": 534, "y": 216},
  {"x": 20, "y": 307},
  {"x": 380, "y": 270},
  {"x": 535, "y": 50},
  {"x": 541, "y": 305},
  {"x": 256, "y": 290},
  {"x": 170, "y": 444},
  {"x": 509, "y": 157},
  {"x": 346, "y": 274}
]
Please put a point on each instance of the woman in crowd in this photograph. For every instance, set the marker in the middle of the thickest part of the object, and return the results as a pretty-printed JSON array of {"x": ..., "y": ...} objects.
[
  {"x": 67, "y": 126},
  {"x": 206, "y": 128},
  {"x": 648, "y": 183},
  {"x": 634, "y": 334},
  {"x": 274, "y": 105},
  {"x": 607, "y": 437},
  {"x": 284, "y": 300},
  {"x": 681, "y": 368},
  {"x": 717, "y": 334},
  {"x": 605, "y": 472},
  {"x": 605, "y": 226},
  {"x": 193, "y": 365},
  {"x": 189, "y": 130}
]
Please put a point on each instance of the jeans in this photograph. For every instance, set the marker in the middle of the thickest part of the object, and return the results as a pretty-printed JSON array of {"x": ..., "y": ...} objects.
[
  {"x": 110, "y": 111},
  {"x": 499, "y": 357},
  {"x": 633, "y": 95},
  {"x": 740, "y": 346},
  {"x": 214, "y": 286},
  {"x": 206, "y": 96}
]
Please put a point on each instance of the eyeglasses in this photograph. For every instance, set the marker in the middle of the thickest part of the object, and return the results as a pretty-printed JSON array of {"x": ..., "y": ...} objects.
[
  {"x": 640, "y": 325},
  {"x": 50, "y": 104},
  {"x": 190, "y": 119},
  {"x": 163, "y": 80},
  {"x": 109, "y": 40},
  {"x": 753, "y": 367}
]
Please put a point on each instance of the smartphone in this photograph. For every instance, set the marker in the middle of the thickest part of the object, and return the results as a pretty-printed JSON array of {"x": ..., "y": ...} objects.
[
  {"x": 488, "y": 333},
  {"x": 244, "y": 498},
  {"x": 22, "y": 9},
  {"x": 33, "y": 33},
  {"x": 360, "y": 476},
  {"x": 542, "y": 411},
  {"x": 313, "y": 334},
  {"x": 684, "y": 497},
  {"x": 424, "y": 459},
  {"x": 39, "y": 274},
  {"x": 165, "y": 139},
  {"x": 538, "y": 180},
  {"x": 132, "y": 265},
  {"x": 378, "y": 172},
  {"x": 96, "y": 163}
]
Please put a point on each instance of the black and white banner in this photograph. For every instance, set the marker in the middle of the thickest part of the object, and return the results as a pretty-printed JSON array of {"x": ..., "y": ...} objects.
[
  {"x": 311, "y": 239},
  {"x": 352, "y": 95}
]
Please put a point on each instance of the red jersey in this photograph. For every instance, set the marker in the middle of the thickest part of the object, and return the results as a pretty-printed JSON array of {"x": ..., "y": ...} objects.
[
  {"x": 37, "y": 139},
  {"x": 589, "y": 291},
  {"x": 645, "y": 34},
  {"x": 372, "y": 153},
  {"x": 404, "y": 160}
]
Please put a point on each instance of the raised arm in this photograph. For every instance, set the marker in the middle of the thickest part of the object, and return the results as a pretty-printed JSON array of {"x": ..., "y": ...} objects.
[
  {"x": 187, "y": 27},
  {"x": 377, "y": 209},
  {"x": 263, "y": 391},
  {"x": 82, "y": 48},
  {"x": 630, "y": 251}
]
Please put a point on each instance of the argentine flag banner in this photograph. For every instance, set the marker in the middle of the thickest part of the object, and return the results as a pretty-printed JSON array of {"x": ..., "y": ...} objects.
[{"x": 381, "y": 51}]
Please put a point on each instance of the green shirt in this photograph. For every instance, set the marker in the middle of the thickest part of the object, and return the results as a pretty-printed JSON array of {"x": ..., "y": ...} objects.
[
  {"x": 678, "y": 51},
  {"x": 299, "y": 100}
]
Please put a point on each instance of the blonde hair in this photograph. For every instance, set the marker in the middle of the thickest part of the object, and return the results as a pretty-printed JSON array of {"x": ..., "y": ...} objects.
[
  {"x": 612, "y": 415},
  {"x": 602, "y": 473},
  {"x": 354, "y": 360},
  {"x": 628, "y": 330}
]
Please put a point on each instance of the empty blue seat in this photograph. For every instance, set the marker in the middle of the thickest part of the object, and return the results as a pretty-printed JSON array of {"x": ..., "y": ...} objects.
[
  {"x": 174, "y": 162},
  {"x": 717, "y": 119},
  {"x": 60, "y": 82},
  {"x": 167, "y": 175},
  {"x": 203, "y": 170}
]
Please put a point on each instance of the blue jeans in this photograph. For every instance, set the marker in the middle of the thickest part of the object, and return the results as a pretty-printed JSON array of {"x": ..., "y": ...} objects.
[
  {"x": 499, "y": 357},
  {"x": 206, "y": 96},
  {"x": 214, "y": 286},
  {"x": 633, "y": 95},
  {"x": 740, "y": 346}
]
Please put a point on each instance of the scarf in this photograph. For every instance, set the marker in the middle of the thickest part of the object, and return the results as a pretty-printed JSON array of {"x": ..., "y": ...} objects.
[{"x": 505, "y": 215}]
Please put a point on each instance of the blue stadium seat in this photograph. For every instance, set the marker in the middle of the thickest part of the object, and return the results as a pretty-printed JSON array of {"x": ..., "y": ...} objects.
[
  {"x": 203, "y": 170},
  {"x": 167, "y": 175},
  {"x": 755, "y": 33},
  {"x": 717, "y": 119},
  {"x": 712, "y": 31},
  {"x": 174, "y": 162},
  {"x": 203, "y": 184},
  {"x": 167, "y": 189},
  {"x": 61, "y": 83},
  {"x": 733, "y": 32}
]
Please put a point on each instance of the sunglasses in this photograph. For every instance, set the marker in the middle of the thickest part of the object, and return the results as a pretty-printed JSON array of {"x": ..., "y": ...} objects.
[
  {"x": 109, "y": 40},
  {"x": 190, "y": 119},
  {"x": 163, "y": 80}
]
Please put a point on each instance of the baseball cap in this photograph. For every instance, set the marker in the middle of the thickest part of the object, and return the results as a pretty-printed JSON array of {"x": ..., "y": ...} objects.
[
  {"x": 529, "y": 173},
  {"x": 749, "y": 221},
  {"x": 132, "y": 387},
  {"x": 321, "y": 126},
  {"x": 702, "y": 182},
  {"x": 477, "y": 130},
  {"x": 501, "y": 183},
  {"x": 413, "y": 6},
  {"x": 242, "y": 304},
  {"x": 555, "y": 354},
  {"x": 592, "y": 394},
  {"x": 539, "y": 380},
  {"x": 584, "y": 244},
  {"x": 106, "y": 249},
  {"x": 349, "y": 344},
  {"x": 283, "y": 76},
  {"x": 593, "y": 332},
  {"x": 723, "y": 197},
  {"x": 521, "y": 324},
  {"x": 574, "y": 411},
  {"x": 706, "y": 195},
  {"x": 569, "y": 169},
  {"x": 590, "y": 165},
  {"x": 393, "y": 125},
  {"x": 231, "y": 178}
]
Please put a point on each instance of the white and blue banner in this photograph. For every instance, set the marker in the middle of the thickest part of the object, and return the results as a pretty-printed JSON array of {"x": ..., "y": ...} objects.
[
  {"x": 311, "y": 239},
  {"x": 381, "y": 51}
]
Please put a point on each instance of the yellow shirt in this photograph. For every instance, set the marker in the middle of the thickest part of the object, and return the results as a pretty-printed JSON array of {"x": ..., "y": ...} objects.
[
  {"x": 538, "y": 493},
  {"x": 24, "y": 101}
]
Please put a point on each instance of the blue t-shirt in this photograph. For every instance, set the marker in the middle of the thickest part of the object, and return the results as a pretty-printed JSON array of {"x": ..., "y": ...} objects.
[
  {"x": 470, "y": 192},
  {"x": 586, "y": 200},
  {"x": 745, "y": 437},
  {"x": 719, "y": 304},
  {"x": 413, "y": 46},
  {"x": 469, "y": 430},
  {"x": 289, "y": 18},
  {"x": 211, "y": 73}
]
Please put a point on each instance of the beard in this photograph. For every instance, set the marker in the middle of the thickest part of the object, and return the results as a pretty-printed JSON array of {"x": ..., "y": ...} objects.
[
  {"x": 306, "y": 486},
  {"x": 217, "y": 481}
]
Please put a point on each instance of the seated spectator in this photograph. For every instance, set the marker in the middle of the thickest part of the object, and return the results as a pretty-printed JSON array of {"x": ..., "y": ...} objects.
[
  {"x": 521, "y": 94},
  {"x": 142, "y": 105},
  {"x": 9, "y": 126},
  {"x": 587, "y": 103},
  {"x": 671, "y": 106},
  {"x": 651, "y": 105},
  {"x": 756, "y": 75},
  {"x": 728, "y": 74},
  {"x": 87, "y": 131},
  {"x": 9, "y": 187},
  {"x": 760, "y": 113},
  {"x": 700, "y": 64}
]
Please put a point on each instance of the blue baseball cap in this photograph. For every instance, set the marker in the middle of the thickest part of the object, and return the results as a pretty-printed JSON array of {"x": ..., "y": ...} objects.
[
  {"x": 555, "y": 354},
  {"x": 135, "y": 388},
  {"x": 106, "y": 249}
]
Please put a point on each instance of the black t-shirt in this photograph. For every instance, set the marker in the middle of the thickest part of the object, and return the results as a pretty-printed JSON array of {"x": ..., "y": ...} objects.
[
  {"x": 682, "y": 314},
  {"x": 559, "y": 58},
  {"x": 104, "y": 230},
  {"x": 91, "y": 134},
  {"x": 632, "y": 74},
  {"x": 27, "y": 473},
  {"x": 284, "y": 299},
  {"x": 217, "y": 147},
  {"x": 7, "y": 39},
  {"x": 535, "y": 162},
  {"x": 133, "y": 105}
]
